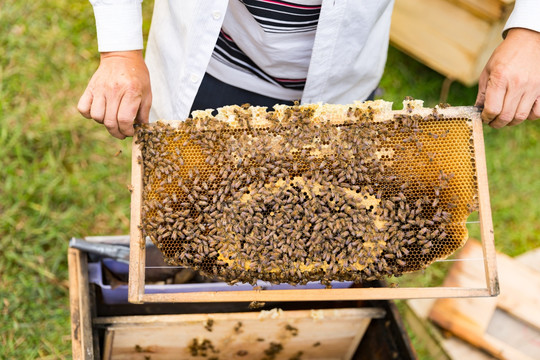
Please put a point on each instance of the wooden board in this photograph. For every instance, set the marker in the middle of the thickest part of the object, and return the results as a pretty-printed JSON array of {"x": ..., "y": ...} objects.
[
  {"x": 515, "y": 333},
  {"x": 472, "y": 319},
  {"x": 81, "y": 325},
  {"x": 449, "y": 36},
  {"x": 488, "y": 288},
  {"x": 499, "y": 324},
  {"x": 530, "y": 259},
  {"x": 438, "y": 345},
  {"x": 317, "y": 334},
  {"x": 491, "y": 10}
]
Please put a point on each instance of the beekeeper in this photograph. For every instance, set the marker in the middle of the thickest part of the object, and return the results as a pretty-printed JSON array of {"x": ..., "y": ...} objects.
[{"x": 206, "y": 54}]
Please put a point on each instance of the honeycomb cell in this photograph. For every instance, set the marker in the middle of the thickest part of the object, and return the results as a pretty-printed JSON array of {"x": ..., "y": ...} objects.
[{"x": 307, "y": 192}]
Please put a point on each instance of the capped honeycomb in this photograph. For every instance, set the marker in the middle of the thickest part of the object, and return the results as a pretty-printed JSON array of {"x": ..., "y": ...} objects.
[{"x": 315, "y": 192}]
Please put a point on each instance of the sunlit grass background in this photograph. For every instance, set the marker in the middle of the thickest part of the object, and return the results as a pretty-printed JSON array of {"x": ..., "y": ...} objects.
[{"x": 59, "y": 177}]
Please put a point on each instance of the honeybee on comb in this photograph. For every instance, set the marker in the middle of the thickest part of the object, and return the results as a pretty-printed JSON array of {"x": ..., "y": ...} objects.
[{"x": 315, "y": 192}]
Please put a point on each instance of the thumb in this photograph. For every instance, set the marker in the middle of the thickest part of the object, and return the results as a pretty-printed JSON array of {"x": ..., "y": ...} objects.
[
  {"x": 144, "y": 109},
  {"x": 482, "y": 85}
]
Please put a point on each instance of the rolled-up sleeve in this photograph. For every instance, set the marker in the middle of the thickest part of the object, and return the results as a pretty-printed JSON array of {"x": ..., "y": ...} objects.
[
  {"x": 526, "y": 14},
  {"x": 118, "y": 24}
]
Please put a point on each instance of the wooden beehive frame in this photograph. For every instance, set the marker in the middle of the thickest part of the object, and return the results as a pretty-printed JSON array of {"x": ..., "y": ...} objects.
[{"x": 137, "y": 293}]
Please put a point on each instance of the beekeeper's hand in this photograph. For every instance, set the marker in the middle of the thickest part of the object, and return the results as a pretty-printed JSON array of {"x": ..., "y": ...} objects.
[
  {"x": 118, "y": 94},
  {"x": 509, "y": 86}
]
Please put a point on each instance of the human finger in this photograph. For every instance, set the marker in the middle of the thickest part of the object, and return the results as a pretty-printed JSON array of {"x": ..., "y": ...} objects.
[
  {"x": 494, "y": 100},
  {"x": 510, "y": 103},
  {"x": 111, "y": 117},
  {"x": 144, "y": 110},
  {"x": 85, "y": 103},
  {"x": 127, "y": 111},
  {"x": 97, "y": 110},
  {"x": 523, "y": 110},
  {"x": 112, "y": 128},
  {"x": 481, "y": 96},
  {"x": 535, "y": 111}
]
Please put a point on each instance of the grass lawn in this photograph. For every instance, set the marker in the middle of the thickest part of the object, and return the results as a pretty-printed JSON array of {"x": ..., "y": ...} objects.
[{"x": 60, "y": 178}]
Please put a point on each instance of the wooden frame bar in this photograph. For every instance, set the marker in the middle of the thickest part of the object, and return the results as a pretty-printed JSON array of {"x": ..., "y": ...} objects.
[
  {"x": 486, "y": 222},
  {"x": 137, "y": 293},
  {"x": 81, "y": 323},
  {"x": 137, "y": 244}
]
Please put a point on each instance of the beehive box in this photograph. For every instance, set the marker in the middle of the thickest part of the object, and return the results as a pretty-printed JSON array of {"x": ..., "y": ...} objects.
[
  {"x": 309, "y": 193},
  {"x": 315, "y": 330},
  {"x": 453, "y": 37},
  {"x": 268, "y": 334}
]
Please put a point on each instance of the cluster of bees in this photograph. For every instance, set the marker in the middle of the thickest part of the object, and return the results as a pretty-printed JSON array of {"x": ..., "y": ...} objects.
[
  {"x": 203, "y": 347},
  {"x": 273, "y": 350},
  {"x": 292, "y": 196}
]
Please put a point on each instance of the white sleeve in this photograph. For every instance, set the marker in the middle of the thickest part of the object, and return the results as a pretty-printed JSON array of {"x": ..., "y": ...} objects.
[
  {"x": 526, "y": 14},
  {"x": 118, "y": 24}
]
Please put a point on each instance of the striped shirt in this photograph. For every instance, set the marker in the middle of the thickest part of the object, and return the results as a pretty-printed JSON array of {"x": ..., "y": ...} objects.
[{"x": 265, "y": 46}]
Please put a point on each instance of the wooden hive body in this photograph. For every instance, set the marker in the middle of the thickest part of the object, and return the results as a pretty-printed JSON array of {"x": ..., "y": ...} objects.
[{"x": 453, "y": 37}]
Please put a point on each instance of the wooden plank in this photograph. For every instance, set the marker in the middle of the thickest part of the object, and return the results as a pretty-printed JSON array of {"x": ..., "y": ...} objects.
[
  {"x": 531, "y": 259},
  {"x": 439, "y": 347},
  {"x": 486, "y": 222},
  {"x": 515, "y": 333},
  {"x": 520, "y": 295},
  {"x": 505, "y": 351},
  {"x": 372, "y": 313},
  {"x": 107, "y": 344},
  {"x": 318, "y": 294},
  {"x": 449, "y": 318},
  {"x": 74, "y": 305},
  {"x": 440, "y": 34},
  {"x": 475, "y": 315},
  {"x": 353, "y": 345},
  {"x": 81, "y": 325},
  {"x": 459, "y": 349},
  {"x": 425, "y": 333},
  {"x": 319, "y": 334},
  {"x": 466, "y": 318},
  {"x": 470, "y": 318},
  {"x": 137, "y": 255},
  {"x": 491, "y": 10},
  {"x": 421, "y": 307}
]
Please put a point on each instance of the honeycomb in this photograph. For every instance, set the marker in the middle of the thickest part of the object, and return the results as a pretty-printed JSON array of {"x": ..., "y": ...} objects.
[{"x": 315, "y": 192}]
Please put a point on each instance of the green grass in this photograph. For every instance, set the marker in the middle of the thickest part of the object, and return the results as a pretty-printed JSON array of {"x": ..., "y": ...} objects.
[{"x": 60, "y": 178}]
